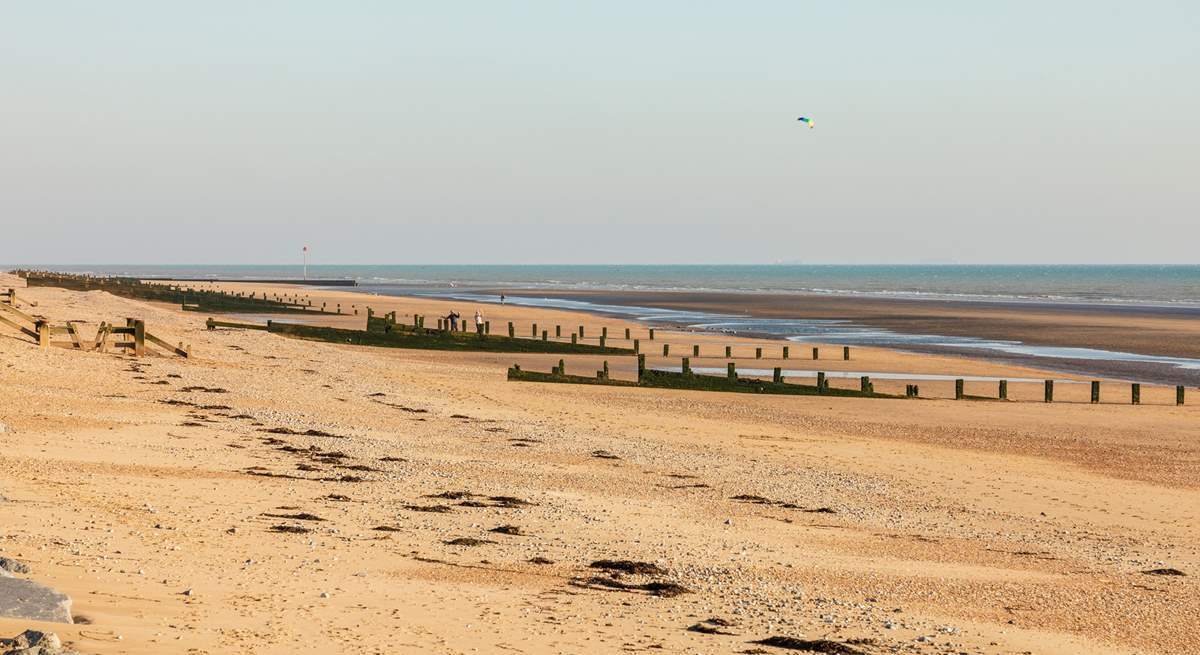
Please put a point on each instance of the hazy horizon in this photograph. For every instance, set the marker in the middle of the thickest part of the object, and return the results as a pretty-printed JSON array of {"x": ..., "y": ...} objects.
[{"x": 600, "y": 133}]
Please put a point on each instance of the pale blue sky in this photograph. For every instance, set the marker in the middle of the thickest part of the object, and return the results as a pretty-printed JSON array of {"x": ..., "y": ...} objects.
[{"x": 624, "y": 132}]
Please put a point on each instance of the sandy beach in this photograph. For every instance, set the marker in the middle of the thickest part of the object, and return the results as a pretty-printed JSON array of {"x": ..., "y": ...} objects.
[{"x": 272, "y": 495}]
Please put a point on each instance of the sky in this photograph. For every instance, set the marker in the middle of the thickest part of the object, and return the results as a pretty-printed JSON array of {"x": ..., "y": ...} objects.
[{"x": 396, "y": 132}]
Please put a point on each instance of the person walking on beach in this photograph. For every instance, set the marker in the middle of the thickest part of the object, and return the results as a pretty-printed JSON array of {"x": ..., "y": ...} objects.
[
  {"x": 453, "y": 318},
  {"x": 478, "y": 321},
  {"x": 501, "y": 299}
]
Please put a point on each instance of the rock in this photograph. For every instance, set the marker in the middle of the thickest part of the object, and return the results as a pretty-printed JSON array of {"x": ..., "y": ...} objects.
[
  {"x": 33, "y": 642},
  {"x": 25, "y": 599},
  {"x": 13, "y": 566}
]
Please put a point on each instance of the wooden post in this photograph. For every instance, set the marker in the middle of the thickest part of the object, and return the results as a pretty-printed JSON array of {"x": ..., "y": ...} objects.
[
  {"x": 636, "y": 346},
  {"x": 210, "y": 324},
  {"x": 958, "y": 389},
  {"x": 1136, "y": 393},
  {"x": 778, "y": 376},
  {"x": 821, "y": 382},
  {"x": 666, "y": 349},
  {"x": 545, "y": 335},
  {"x": 603, "y": 339},
  {"x": 574, "y": 340},
  {"x": 864, "y": 384},
  {"x": 1095, "y": 391},
  {"x": 816, "y": 353},
  {"x": 562, "y": 367},
  {"x": 696, "y": 350},
  {"x": 604, "y": 332},
  {"x": 652, "y": 334},
  {"x": 43, "y": 332},
  {"x": 627, "y": 334},
  {"x": 758, "y": 353},
  {"x": 1004, "y": 390},
  {"x": 785, "y": 352},
  {"x": 512, "y": 330},
  {"x": 580, "y": 331},
  {"x": 557, "y": 331},
  {"x": 1049, "y": 391},
  {"x": 534, "y": 335},
  {"x": 731, "y": 371},
  {"x": 686, "y": 366},
  {"x": 728, "y": 352},
  {"x": 1179, "y": 394},
  {"x": 487, "y": 327},
  {"x": 641, "y": 366},
  {"x": 139, "y": 338},
  {"x": 846, "y": 353},
  {"x": 606, "y": 369},
  {"x": 441, "y": 324}
]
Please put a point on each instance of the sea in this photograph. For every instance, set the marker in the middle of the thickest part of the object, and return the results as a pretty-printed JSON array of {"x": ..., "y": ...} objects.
[
  {"x": 1169, "y": 285},
  {"x": 1171, "y": 288}
]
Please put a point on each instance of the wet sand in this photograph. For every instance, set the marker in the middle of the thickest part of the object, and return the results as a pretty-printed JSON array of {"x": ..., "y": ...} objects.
[
  {"x": 321, "y": 497},
  {"x": 1166, "y": 331}
]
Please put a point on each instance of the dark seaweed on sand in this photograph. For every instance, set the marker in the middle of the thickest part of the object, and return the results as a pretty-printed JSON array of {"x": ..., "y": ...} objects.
[{"x": 810, "y": 645}]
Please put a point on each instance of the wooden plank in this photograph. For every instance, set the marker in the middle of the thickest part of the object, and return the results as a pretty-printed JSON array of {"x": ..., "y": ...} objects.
[
  {"x": 74, "y": 335},
  {"x": 101, "y": 337},
  {"x": 18, "y": 326},
  {"x": 14, "y": 310},
  {"x": 166, "y": 346}
]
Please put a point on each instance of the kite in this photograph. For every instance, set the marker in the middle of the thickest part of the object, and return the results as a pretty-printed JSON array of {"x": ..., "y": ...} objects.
[{"x": 806, "y": 120}]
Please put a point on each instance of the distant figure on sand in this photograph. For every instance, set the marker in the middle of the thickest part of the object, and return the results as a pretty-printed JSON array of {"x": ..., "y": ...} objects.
[
  {"x": 478, "y": 320},
  {"x": 453, "y": 318},
  {"x": 501, "y": 299}
]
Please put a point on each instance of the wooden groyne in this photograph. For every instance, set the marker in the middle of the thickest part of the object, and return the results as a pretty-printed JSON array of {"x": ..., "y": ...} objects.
[
  {"x": 187, "y": 298},
  {"x": 687, "y": 380},
  {"x": 132, "y": 337},
  {"x": 385, "y": 332}
]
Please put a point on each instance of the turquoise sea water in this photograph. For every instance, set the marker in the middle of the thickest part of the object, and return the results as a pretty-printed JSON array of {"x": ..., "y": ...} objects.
[{"x": 1167, "y": 285}]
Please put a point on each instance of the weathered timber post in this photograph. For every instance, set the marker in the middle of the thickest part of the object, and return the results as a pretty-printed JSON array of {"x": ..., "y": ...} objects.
[
  {"x": 606, "y": 369},
  {"x": 574, "y": 340},
  {"x": 686, "y": 366},
  {"x": 641, "y": 366},
  {"x": 416, "y": 320},
  {"x": 562, "y": 367},
  {"x": 487, "y": 327},
  {"x": 604, "y": 332},
  {"x": 864, "y": 384},
  {"x": 1136, "y": 393},
  {"x": 728, "y": 352},
  {"x": 696, "y": 350},
  {"x": 580, "y": 331},
  {"x": 603, "y": 339},
  {"x": 534, "y": 334},
  {"x": 139, "y": 338},
  {"x": 822, "y": 383},
  {"x": 785, "y": 352},
  {"x": 210, "y": 324},
  {"x": 846, "y": 353},
  {"x": 1049, "y": 391},
  {"x": 1004, "y": 390},
  {"x": 557, "y": 331},
  {"x": 731, "y": 371},
  {"x": 339, "y": 307},
  {"x": 43, "y": 332},
  {"x": 512, "y": 330},
  {"x": 1179, "y": 394},
  {"x": 958, "y": 389},
  {"x": 1095, "y": 391},
  {"x": 637, "y": 346},
  {"x": 777, "y": 378},
  {"x": 627, "y": 334},
  {"x": 816, "y": 353},
  {"x": 758, "y": 353},
  {"x": 441, "y": 324},
  {"x": 666, "y": 349},
  {"x": 652, "y": 334},
  {"x": 545, "y": 335}
]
